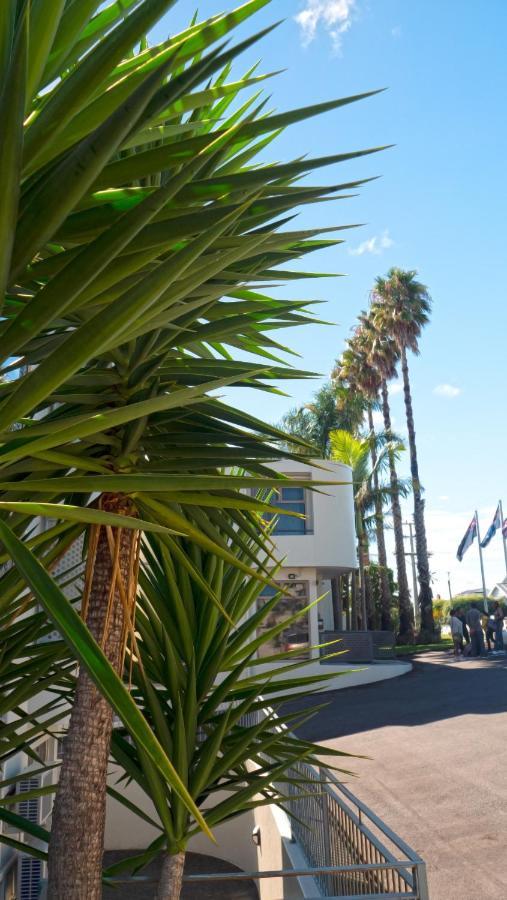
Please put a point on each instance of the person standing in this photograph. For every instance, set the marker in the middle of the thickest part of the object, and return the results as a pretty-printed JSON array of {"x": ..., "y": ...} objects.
[
  {"x": 488, "y": 624},
  {"x": 456, "y": 633},
  {"x": 498, "y": 615},
  {"x": 473, "y": 618},
  {"x": 461, "y": 616}
]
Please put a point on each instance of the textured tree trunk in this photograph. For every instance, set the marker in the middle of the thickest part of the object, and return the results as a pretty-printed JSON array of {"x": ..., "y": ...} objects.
[
  {"x": 368, "y": 589},
  {"x": 171, "y": 876},
  {"x": 336, "y": 599},
  {"x": 353, "y": 600},
  {"x": 386, "y": 597},
  {"x": 364, "y": 580},
  {"x": 406, "y": 629},
  {"x": 77, "y": 831},
  {"x": 423, "y": 567},
  {"x": 346, "y": 599}
]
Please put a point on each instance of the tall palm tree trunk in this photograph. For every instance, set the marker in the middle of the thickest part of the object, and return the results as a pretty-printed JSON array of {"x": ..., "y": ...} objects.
[
  {"x": 386, "y": 597},
  {"x": 423, "y": 567},
  {"x": 354, "y": 619},
  {"x": 368, "y": 590},
  {"x": 406, "y": 628},
  {"x": 77, "y": 831},
  {"x": 171, "y": 876},
  {"x": 361, "y": 537}
]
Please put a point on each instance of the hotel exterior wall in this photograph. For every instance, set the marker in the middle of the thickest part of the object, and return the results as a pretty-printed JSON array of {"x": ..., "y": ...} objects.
[{"x": 331, "y": 542}]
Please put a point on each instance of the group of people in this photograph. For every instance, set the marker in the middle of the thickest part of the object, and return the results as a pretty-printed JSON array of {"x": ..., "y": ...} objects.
[{"x": 471, "y": 633}]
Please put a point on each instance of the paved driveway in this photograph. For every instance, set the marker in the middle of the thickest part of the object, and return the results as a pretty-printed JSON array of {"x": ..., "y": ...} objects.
[{"x": 437, "y": 739}]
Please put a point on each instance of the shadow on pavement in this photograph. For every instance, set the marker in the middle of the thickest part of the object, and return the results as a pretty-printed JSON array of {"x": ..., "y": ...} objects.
[{"x": 436, "y": 689}]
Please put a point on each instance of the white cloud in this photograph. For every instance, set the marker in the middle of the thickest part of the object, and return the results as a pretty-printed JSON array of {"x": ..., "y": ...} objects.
[
  {"x": 334, "y": 15},
  {"x": 443, "y": 497},
  {"x": 395, "y": 388},
  {"x": 378, "y": 418},
  {"x": 396, "y": 31},
  {"x": 447, "y": 390},
  {"x": 374, "y": 245}
]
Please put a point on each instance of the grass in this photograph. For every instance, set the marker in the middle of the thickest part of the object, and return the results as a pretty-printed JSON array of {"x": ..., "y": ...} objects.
[{"x": 413, "y": 649}]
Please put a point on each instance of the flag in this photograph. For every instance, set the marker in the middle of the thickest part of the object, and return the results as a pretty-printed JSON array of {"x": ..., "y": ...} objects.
[
  {"x": 496, "y": 523},
  {"x": 504, "y": 528},
  {"x": 468, "y": 539}
]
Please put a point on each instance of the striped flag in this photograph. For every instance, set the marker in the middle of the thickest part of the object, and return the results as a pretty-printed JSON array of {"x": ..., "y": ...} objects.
[
  {"x": 468, "y": 539},
  {"x": 496, "y": 523},
  {"x": 504, "y": 528}
]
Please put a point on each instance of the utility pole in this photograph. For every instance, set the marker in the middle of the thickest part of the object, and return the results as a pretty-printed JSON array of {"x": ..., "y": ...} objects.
[{"x": 413, "y": 557}]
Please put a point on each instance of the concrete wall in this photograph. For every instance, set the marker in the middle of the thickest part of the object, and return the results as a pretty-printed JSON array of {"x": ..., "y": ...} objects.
[
  {"x": 126, "y": 831},
  {"x": 332, "y": 543},
  {"x": 345, "y": 676}
]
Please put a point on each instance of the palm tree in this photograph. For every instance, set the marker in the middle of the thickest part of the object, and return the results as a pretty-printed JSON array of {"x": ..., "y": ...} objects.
[
  {"x": 208, "y": 704},
  {"x": 332, "y": 407},
  {"x": 369, "y": 490},
  {"x": 359, "y": 378},
  {"x": 132, "y": 230},
  {"x": 402, "y": 308},
  {"x": 203, "y": 681},
  {"x": 382, "y": 354}
]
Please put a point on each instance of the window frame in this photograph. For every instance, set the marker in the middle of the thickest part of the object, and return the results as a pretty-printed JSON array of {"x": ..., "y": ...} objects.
[{"x": 308, "y": 504}]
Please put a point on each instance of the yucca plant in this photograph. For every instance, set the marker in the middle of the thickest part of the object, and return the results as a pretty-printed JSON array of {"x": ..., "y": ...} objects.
[
  {"x": 211, "y": 689},
  {"x": 136, "y": 235}
]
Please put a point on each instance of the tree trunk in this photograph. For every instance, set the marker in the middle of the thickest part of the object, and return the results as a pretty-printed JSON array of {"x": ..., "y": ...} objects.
[
  {"x": 336, "y": 599},
  {"x": 77, "y": 831},
  {"x": 171, "y": 876},
  {"x": 423, "y": 567},
  {"x": 386, "y": 598},
  {"x": 364, "y": 580},
  {"x": 353, "y": 600},
  {"x": 406, "y": 628},
  {"x": 368, "y": 589},
  {"x": 346, "y": 600}
]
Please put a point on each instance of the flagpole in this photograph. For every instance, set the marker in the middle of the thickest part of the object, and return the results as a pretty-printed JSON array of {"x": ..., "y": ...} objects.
[
  {"x": 504, "y": 539},
  {"x": 482, "y": 563}
]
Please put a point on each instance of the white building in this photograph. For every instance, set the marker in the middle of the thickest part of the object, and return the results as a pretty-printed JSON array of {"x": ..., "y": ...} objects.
[
  {"x": 499, "y": 592},
  {"x": 316, "y": 549}
]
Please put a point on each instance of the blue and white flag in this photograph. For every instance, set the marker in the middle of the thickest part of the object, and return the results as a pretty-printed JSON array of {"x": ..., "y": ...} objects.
[
  {"x": 504, "y": 528},
  {"x": 496, "y": 523},
  {"x": 470, "y": 535}
]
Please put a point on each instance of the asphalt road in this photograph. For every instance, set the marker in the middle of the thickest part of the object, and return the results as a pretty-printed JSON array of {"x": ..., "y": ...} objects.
[{"x": 437, "y": 773}]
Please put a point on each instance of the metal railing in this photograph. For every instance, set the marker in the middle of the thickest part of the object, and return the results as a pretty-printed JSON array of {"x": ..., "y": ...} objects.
[{"x": 335, "y": 829}]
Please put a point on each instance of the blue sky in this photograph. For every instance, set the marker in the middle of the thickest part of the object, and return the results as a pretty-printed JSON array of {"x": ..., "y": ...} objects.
[{"x": 439, "y": 207}]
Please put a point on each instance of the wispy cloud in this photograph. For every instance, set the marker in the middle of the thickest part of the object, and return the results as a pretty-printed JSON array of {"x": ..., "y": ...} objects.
[
  {"x": 395, "y": 388},
  {"x": 376, "y": 245},
  {"x": 335, "y": 16},
  {"x": 396, "y": 31},
  {"x": 443, "y": 497},
  {"x": 447, "y": 390}
]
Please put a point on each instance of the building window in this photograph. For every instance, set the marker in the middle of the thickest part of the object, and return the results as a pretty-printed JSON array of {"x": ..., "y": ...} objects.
[
  {"x": 295, "y": 637},
  {"x": 293, "y": 500}
]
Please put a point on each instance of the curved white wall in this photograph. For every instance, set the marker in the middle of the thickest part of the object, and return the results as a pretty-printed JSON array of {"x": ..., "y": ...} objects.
[{"x": 333, "y": 541}]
